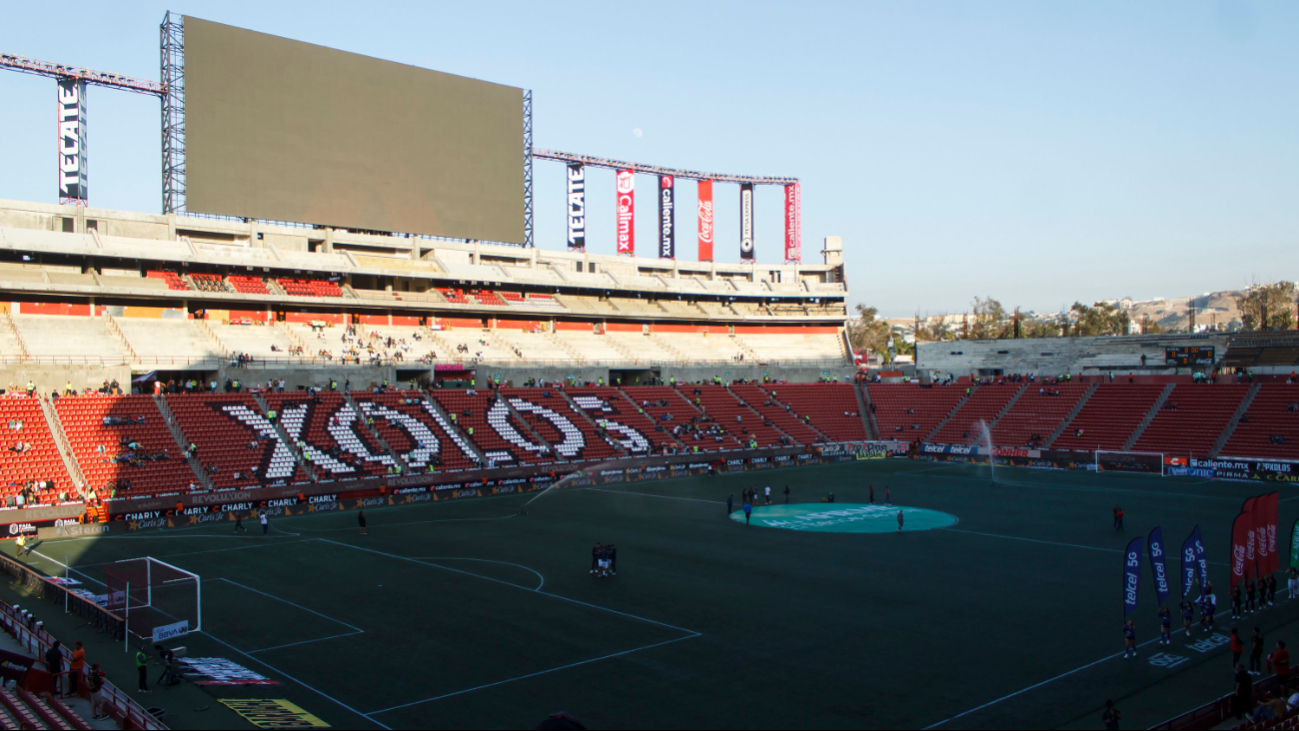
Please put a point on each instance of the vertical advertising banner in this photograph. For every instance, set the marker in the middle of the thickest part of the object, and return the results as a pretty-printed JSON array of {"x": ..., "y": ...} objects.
[
  {"x": 705, "y": 220},
  {"x": 576, "y": 207},
  {"x": 1131, "y": 575},
  {"x": 1158, "y": 569},
  {"x": 1260, "y": 512},
  {"x": 1188, "y": 562},
  {"x": 1273, "y": 515},
  {"x": 1242, "y": 538},
  {"x": 72, "y": 141},
  {"x": 626, "y": 183},
  {"x": 1201, "y": 560},
  {"x": 746, "y": 221},
  {"x": 793, "y": 223},
  {"x": 667, "y": 218},
  {"x": 1294, "y": 544}
]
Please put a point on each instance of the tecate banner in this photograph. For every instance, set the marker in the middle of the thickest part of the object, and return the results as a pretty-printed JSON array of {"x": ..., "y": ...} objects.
[
  {"x": 705, "y": 220},
  {"x": 793, "y": 223},
  {"x": 667, "y": 219},
  {"x": 626, "y": 212},
  {"x": 72, "y": 140},
  {"x": 576, "y": 207},
  {"x": 746, "y": 221}
]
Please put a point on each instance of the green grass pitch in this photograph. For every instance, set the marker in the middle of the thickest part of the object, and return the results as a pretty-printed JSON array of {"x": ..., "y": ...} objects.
[{"x": 467, "y": 614}]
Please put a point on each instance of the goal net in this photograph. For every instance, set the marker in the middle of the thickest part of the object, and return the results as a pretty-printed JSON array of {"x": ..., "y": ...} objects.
[
  {"x": 1148, "y": 462},
  {"x": 157, "y": 600}
]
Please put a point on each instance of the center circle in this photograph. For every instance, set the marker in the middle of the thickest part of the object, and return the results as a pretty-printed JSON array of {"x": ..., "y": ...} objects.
[{"x": 845, "y": 518}]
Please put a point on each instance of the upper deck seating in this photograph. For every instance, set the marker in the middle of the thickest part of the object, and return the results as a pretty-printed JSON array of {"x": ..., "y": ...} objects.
[
  {"x": 244, "y": 284},
  {"x": 174, "y": 281},
  {"x": 209, "y": 282},
  {"x": 309, "y": 287}
]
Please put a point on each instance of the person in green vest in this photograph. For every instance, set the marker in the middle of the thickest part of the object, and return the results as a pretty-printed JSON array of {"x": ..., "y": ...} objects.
[
  {"x": 471, "y": 431},
  {"x": 270, "y": 415},
  {"x": 142, "y": 667},
  {"x": 31, "y": 388}
]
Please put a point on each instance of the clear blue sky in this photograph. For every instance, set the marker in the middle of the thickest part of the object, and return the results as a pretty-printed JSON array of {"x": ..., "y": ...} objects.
[{"x": 1038, "y": 152}]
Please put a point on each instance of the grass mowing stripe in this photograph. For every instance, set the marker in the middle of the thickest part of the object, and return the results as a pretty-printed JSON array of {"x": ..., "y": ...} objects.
[
  {"x": 650, "y": 494},
  {"x": 533, "y": 675},
  {"x": 506, "y": 583},
  {"x": 286, "y": 601}
]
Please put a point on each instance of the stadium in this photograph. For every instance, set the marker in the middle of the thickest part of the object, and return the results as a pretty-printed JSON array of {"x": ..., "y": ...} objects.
[{"x": 331, "y": 449}]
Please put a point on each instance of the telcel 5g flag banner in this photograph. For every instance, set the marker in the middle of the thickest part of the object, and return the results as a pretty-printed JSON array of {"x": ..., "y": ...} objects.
[
  {"x": 1131, "y": 575},
  {"x": 626, "y": 188},
  {"x": 1158, "y": 569}
]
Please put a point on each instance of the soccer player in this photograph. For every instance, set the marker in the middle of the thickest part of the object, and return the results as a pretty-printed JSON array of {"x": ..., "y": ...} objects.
[
  {"x": 899, "y": 521},
  {"x": 888, "y": 496},
  {"x": 1130, "y": 639},
  {"x": 786, "y": 494},
  {"x": 265, "y": 521},
  {"x": 748, "y": 511},
  {"x": 1118, "y": 518},
  {"x": 1165, "y": 626},
  {"x": 595, "y": 557},
  {"x": 767, "y": 494},
  {"x": 239, "y": 524},
  {"x": 730, "y": 503},
  {"x": 360, "y": 519},
  {"x": 872, "y": 498},
  {"x": 1188, "y": 615}
]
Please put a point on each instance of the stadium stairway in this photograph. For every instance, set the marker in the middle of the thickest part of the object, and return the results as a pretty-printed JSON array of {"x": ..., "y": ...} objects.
[
  {"x": 531, "y": 423},
  {"x": 1109, "y": 417},
  {"x": 365, "y": 417},
  {"x": 61, "y": 443},
  {"x": 969, "y": 393},
  {"x": 1230, "y": 429},
  {"x": 722, "y": 406},
  {"x": 796, "y": 429},
  {"x": 1192, "y": 419},
  {"x": 1148, "y": 418},
  {"x": 620, "y": 446},
  {"x": 1035, "y": 410},
  {"x": 612, "y": 409},
  {"x": 987, "y": 403},
  {"x": 303, "y": 470},
  {"x": 908, "y": 411},
  {"x": 182, "y": 442},
  {"x": 681, "y": 412},
  {"x": 1267, "y": 416},
  {"x": 25, "y": 710},
  {"x": 1073, "y": 413},
  {"x": 416, "y": 431},
  {"x": 83, "y": 419},
  {"x": 40, "y": 461},
  {"x": 493, "y": 427},
  {"x": 559, "y": 423},
  {"x": 822, "y": 406},
  {"x": 453, "y": 431}
]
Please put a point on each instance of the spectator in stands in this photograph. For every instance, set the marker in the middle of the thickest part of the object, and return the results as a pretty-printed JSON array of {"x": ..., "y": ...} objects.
[
  {"x": 1265, "y": 710},
  {"x": 75, "y": 667},
  {"x": 1279, "y": 662}
]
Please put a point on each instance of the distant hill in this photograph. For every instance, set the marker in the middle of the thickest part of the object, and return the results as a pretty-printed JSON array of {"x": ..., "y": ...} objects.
[{"x": 1214, "y": 308}]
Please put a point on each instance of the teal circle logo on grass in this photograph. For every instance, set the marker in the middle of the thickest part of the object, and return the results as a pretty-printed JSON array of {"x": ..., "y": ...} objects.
[{"x": 845, "y": 518}]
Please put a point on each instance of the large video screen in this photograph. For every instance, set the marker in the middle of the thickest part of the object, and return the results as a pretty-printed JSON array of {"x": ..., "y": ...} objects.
[{"x": 282, "y": 130}]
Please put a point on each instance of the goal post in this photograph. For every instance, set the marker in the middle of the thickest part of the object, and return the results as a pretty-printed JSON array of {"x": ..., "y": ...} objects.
[
  {"x": 1151, "y": 463},
  {"x": 159, "y": 601}
]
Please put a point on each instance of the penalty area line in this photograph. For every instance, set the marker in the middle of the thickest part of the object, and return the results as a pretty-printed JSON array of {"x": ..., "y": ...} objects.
[{"x": 691, "y": 636}]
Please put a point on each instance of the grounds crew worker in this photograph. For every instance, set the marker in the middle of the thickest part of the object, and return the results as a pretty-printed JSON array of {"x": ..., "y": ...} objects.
[{"x": 142, "y": 667}]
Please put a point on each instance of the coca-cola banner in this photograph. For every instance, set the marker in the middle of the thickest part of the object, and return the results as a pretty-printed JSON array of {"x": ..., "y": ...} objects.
[
  {"x": 705, "y": 220},
  {"x": 793, "y": 223},
  {"x": 576, "y": 207},
  {"x": 746, "y": 221},
  {"x": 667, "y": 219},
  {"x": 1242, "y": 531},
  {"x": 626, "y": 212},
  {"x": 72, "y": 140}
]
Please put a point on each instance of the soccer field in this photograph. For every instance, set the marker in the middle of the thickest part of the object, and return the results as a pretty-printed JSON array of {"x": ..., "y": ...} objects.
[{"x": 466, "y": 614}]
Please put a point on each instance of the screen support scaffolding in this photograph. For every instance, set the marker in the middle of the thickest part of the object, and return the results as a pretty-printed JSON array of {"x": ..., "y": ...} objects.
[
  {"x": 529, "y": 240},
  {"x": 172, "y": 38}
]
